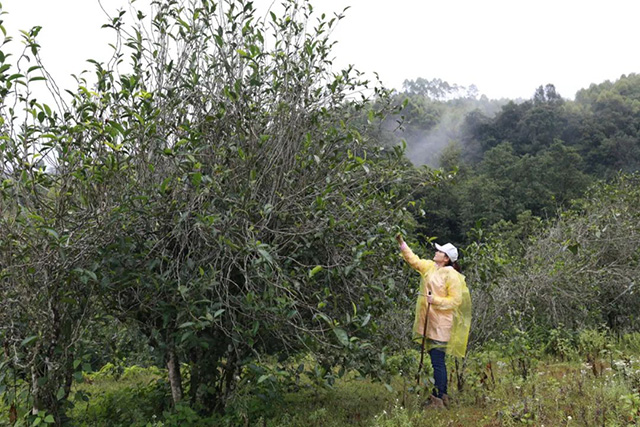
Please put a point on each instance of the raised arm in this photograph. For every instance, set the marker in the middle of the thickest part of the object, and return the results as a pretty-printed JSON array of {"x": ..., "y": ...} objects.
[{"x": 418, "y": 264}]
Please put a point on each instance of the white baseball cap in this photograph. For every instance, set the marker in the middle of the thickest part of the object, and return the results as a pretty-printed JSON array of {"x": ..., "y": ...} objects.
[{"x": 449, "y": 250}]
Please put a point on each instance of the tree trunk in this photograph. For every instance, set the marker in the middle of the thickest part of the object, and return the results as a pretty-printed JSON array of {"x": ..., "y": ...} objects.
[
  {"x": 35, "y": 391},
  {"x": 229, "y": 375},
  {"x": 195, "y": 376},
  {"x": 175, "y": 379}
]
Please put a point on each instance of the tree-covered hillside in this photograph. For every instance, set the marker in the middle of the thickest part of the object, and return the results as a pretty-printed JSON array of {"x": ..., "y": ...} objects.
[{"x": 535, "y": 155}]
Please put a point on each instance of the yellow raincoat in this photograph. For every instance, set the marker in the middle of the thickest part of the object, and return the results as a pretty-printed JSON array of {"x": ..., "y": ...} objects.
[{"x": 450, "y": 312}]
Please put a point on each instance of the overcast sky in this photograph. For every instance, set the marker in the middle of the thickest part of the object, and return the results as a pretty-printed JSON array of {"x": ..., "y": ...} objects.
[{"x": 506, "y": 48}]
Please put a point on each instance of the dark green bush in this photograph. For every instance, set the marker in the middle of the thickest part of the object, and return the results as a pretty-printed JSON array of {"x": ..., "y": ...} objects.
[{"x": 128, "y": 406}]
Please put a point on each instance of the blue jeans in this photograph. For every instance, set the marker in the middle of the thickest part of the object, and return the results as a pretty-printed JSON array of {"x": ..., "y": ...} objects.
[{"x": 439, "y": 371}]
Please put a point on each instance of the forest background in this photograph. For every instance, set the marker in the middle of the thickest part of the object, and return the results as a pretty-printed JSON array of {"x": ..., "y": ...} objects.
[{"x": 209, "y": 227}]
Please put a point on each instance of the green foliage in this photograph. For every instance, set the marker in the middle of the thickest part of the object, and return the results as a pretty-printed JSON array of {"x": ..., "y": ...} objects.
[
  {"x": 112, "y": 372},
  {"x": 595, "y": 346},
  {"x": 521, "y": 352},
  {"x": 535, "y": 155},
  {"x": 561, "y": 343},
  {"x": 437, "y": 89},
  {"x": 630, "y": 404},
  {"x": 53, "y": 205},
  {"x": 124, "y": 406},
  {"x": 630, "y": 342},
  {"x": 183, "y": 415},
  {"x": 214, "y": 195},
  {"x": 220, "y": 205},
  {"x": 573, "y": 271}
]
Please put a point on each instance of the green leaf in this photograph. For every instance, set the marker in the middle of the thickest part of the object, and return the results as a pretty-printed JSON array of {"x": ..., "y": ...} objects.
[
  {"x": 366, "y": 319},
  {"x": 52, "y": 232},
  {"x": 49, "y": 419},
  {"x": 342, "y": 336},
  {"x": 14, "y": 76},
  {"x": 87, "y": 273},
  {"x": 266, "y": 255},
  {"x": 186, "y": 336},
  {"x": 315, "y": 270},
  {"x": 324, "y": 317},
  {"x": 29, "y": 340},
  {"x": 196, "y": 179}
]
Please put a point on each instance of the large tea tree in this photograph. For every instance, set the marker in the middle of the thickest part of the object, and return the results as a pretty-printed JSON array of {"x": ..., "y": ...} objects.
[
  {"x": 256, "y": 219},
  {"x": 213, "y": 190}
]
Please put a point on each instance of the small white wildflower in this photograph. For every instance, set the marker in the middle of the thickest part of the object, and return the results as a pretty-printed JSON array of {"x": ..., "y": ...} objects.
[{"x": 569, "y": 417}]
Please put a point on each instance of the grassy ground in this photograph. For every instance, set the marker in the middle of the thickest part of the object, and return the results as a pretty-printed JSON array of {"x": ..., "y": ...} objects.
[
  {"x": 554, "y": 394},
  {"x": 494, "y": 394}
]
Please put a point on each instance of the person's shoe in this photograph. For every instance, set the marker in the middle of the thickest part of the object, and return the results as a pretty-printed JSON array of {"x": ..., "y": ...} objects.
[
  {"x": 446, "y": 400},
  {"x": 434, "y": 403}
]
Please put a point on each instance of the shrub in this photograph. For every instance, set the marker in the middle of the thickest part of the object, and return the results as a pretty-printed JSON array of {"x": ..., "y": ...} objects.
[
  {"x": 594, "y": 345},
  {"x": 521, "y": 352},
  {"x": 561, "y": 343}
]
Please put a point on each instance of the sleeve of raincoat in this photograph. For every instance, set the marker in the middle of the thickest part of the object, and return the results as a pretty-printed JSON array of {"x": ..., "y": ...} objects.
[
  {"x": 454, "y": 293},
  {"x": 417, "y": 263}
]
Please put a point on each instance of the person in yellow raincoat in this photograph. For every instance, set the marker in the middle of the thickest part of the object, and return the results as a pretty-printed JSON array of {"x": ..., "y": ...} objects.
[{"x": 445, "y": 298}]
